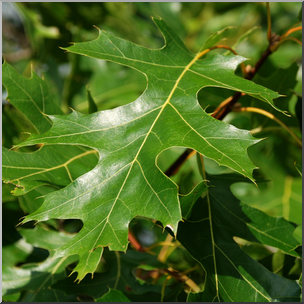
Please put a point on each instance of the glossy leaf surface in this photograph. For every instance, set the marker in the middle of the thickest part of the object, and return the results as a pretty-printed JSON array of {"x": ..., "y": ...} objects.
[
  {"x": 129, "y": 139},
  {"x": 56, "y": 166}
]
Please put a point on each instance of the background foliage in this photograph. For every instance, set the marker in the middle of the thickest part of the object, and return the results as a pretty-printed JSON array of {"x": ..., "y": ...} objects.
[{"x": 32, "y": 33}]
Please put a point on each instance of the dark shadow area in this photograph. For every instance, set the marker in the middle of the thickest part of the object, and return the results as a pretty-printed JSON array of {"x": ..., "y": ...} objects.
[{"x": 72, "y": 226}]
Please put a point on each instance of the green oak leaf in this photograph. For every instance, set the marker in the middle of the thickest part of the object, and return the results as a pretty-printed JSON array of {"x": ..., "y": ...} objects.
[
  {"x": 126, "y": 182},
  {"x": 36, "y": 278},
  {"x": 232, "y": 275},
  {"x": 30, "y": 96},
  {"x": 244, "y": 37},
  {"x": 50, "y": 165}
]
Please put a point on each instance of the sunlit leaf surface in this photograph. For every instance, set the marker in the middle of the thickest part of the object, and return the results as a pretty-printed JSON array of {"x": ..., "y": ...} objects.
[{"x": 126, "y": 181}]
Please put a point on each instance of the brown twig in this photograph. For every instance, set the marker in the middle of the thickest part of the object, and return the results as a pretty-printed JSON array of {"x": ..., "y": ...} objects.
[
  {"x": 178, "y": 163},
  {"x": 271, "y": 116},
  {"x": 162, "y": 256},
  {"x": 135, "y": 243}
]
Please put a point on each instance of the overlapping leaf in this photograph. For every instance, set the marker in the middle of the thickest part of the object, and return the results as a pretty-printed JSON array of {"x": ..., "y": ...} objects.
[
  {"x": 36, "y": 278},
  {"x": 30, "y": 96},
  {"x": 126, "y": 181},
  {"x": 233, "y": 276}
]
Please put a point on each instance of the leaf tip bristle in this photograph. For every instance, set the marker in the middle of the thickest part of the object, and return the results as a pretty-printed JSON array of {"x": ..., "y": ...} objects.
[
  {"x": 21, "y": 223},
  {"x": 39, "y": 197},
  {"x": 97, "y": 27},
  {"x": 13, "y": 147},
  {"x": 71, "y": 274}
]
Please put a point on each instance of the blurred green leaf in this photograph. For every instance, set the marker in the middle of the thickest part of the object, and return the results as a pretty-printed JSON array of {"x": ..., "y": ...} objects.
[
  {"x": 7, "y": 193},
  {"x": 37, "y": 278},
  {"x": 298, "y": 234},
  {"x": 15, "y": 253},
  {"x": 34, "y": 28},
  {"x": 300, "y": 15}
]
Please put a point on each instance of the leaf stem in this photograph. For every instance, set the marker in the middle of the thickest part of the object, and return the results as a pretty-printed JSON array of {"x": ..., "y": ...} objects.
[
  {"x": 162, "y": 256},
  {"x": 292, "y": 30},
  {"x": 164, "y": 287},
  {"x": 271, "y": 116},
  {"x": 161, "y": 244},
  {"x": 137, "y": 246},
  {"x": 173, "y": 169},
  {"x": 182, "y": 277},
  {"x": 276, "y": 46}
]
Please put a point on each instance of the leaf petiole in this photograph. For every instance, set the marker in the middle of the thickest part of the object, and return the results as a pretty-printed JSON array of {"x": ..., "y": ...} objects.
[
  {"x": 271, "y": 116},
  {"x": 276, "y": 46}
]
